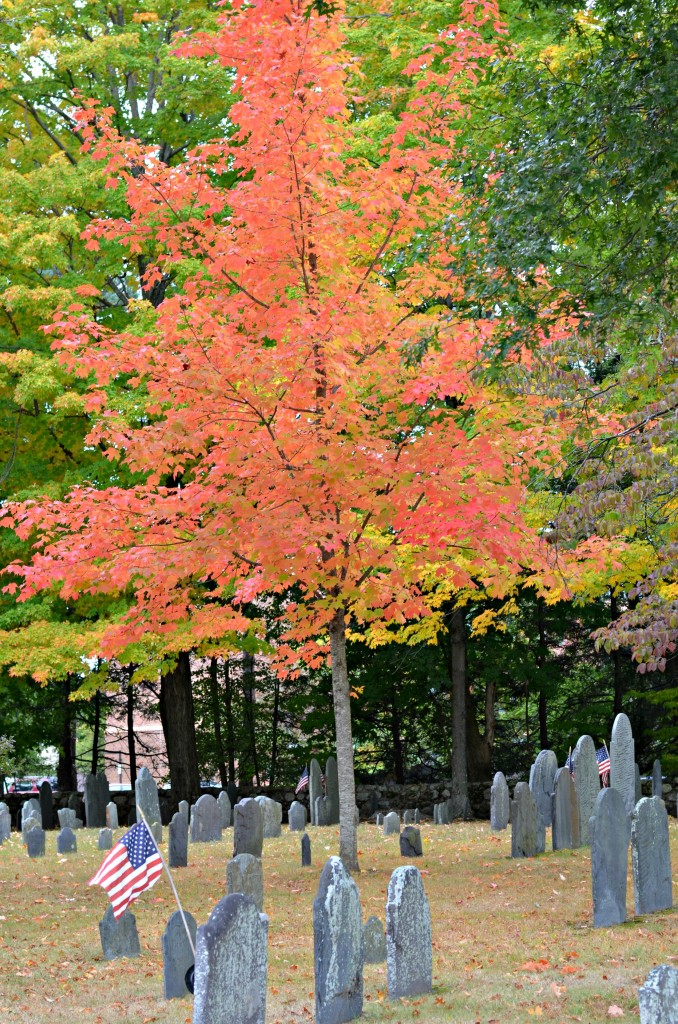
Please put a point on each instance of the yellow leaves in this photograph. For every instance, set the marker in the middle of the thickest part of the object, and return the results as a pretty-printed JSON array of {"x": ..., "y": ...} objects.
[
  {"x": 356, "y": 691},
  {"x": 142, "y": 17}
]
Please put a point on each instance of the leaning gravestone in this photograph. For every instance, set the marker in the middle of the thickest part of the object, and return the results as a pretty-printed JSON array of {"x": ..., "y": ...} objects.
[
  {"x": 35, "y": 842},
  {"x": 338, "y": 946},
  {"x": 248, "y": 828},
  {"x": 322, "y": 811},
  {"x": 650, "y": 856},
  {"x": 525, "y": 822},
  {"x": 177, "y": 955},
  {"x": 392, "y": 823},
  {"x": 147, "y": 800},
  {"x": 244, "y": 874},
  {"x": 586, "y": 783},
  {"x": 271, "y": 814},
  {"x": 105, "y": 840},
  {"x": 5, "y": 822},
  {"x": 409, "y": 952},
  {"x": 623, "y": 762},
  {"x": 296, "y": 817},
  {"x": 410, "y": 842},
  {"x": 332, "y": 791},
  {"x": 230, "y": 964},
  {"x": 499, "y": 803},
  {"x": 96, "y": 795},
  {"x": 565, "y": 835},
  {"x": 66, "y": 841},
  {"x": 658, "y": 997},
  {"x": 206, "y": 820},
  {"x": 178, "y": 841},
  {"x": 657, "y": 789},
  {"x": 542, "y": 779},
  {"x": 375, "y": 941},
  {"x": 315, "y": 788},
  {"x": 119, "y": 938},
  {"x": 609, "y": 833},
  {"x": 111, "y": 815},
  {"x": 305, "y": 851},
  {"x": 225, "y": 808},
  {"x": 46, "y": 805}
]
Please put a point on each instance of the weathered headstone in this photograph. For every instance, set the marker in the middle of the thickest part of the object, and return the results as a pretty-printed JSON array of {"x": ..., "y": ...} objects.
[
  {"x": 185, "y": 809},
  {"x": 322, "y": 811},
  {"x": 586, "y": 783},
  {"x": 178, "y": 841},
  {"x": 67, "y": 818},
  {"x": 31, "y": 822},
  {"x": 111, "y": 815},
  {"x": 332, "y": 791},
  {"x": 206, "y": 820},
  {"x": 338, "y": 946},
  {"x": 657, "y": 789},
  {"x": 5, "y": 822},
  {"x": 408, "y": 817},
  {"x": 499, "y": 803},
  {"x": 296, "y": 817},
  {"x": 392, "y": 823},
  {"x": 96, "y": 795},
  {"x": 525, "y": 822},
  {"x": 46, "y": 805},
  {"x": 315, "y": 788},
  {"x": 609, "y": 832},
  {"x": 417, "y": 816},
  {"x": 379, "y": 820},
  {"x": 230, "y": 964},
  {"x": 565, "y": 817},
  {"x": 658, "y": 997},
  {"x": 375, "y": 941},
  {"x": 542, "y": 779},
  {"x": 271, "y": 816},
  {"x": 305, "y": 851},
  {"x": 248, "y": 828},
  {"x": 623, "y": 762},
  {"x": 410, "y": 842},
  {"x": 35, "y": 842},
  {"x": 225, "y": 808},
  {"x": 244, "y": 874},
  {"x": 651, "y": 856},
  {"x": 119, "y": 938},
  {"x": 30, "y": 809},
  {"x": 105, "y": 840},
  {"x": 66, "y": 841},
  {"x": 409, "y": 952},
  {"x": 147, "y": 800},
  {"x": 177, "y": 955}
]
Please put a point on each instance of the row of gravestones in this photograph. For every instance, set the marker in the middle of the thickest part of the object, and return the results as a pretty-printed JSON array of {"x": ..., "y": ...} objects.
[{"x": 323, "y": 806}]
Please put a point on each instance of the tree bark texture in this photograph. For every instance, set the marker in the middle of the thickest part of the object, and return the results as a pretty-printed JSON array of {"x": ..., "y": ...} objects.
[
  {"x": 479, "y": 745},
  {"x": 248, "y": 689},
  {"x": 216, "y": 719},
  {"x": 178, "y": 722},
  {"x": 96, "y": 730},
  {"x": 541, "y": 661},
  {"x": 131, "y": 742},
  {"x": 456, "y": 621},
  {"x": 348, "y": 834},
  {"x": 67, "y": 776},
  {"x": 228, "y": 709}
]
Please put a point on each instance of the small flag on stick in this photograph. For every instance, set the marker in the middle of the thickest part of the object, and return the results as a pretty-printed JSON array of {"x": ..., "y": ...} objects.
[
  {"x": 603, "y": 759},
  {"x": 133, "y": 865},
  {"x": 568, "y": 763},
  {"x": 303, "y": 782}
]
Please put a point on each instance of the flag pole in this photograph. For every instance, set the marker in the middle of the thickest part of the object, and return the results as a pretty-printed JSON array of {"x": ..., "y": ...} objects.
[{"x": 171, "y": 881}]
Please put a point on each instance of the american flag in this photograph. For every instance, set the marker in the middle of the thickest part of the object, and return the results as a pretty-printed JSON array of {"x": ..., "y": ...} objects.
[
  {"x": 569, "y": 765},
  {"x": 132, "y": 866},
  {"x": 303, "y": 782},
  {"x": 603, "y": 759}
]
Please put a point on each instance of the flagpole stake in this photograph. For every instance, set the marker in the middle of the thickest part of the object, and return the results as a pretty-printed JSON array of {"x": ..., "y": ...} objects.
[{"x": 171, "y": 881}]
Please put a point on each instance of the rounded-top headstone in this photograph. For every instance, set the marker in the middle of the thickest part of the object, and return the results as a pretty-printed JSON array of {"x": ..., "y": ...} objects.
[
  {"x": 542, "y": 779},
  {"x": 271, "y": 812},
  {"x": 31, "y": 809},
  {"x": 225, "y": 807},
  {"x": 315, "y": 788},
  {"x": 296, "y": 817},
  {"x": 586, "y": 783},
  {"x": 248, "y": 828},
  {"x": 375, "y": 941},
  {"x": 338, "y": 946},
  {"x": 657, "y": 788},
  {"x": 35, "y": 842},
  {"x": 206, "y": 820},
  {"x": 410, "y": 842},
  {"x": 409, "y": 951},
  {"x": 651, "y": 856},
  {"x": 244, "y": 874},
  {"x": 119, "y": 938},
  {"x": 177, "y": 955},
  {"x": 565, "y": 817},
  {"x": 527, "y": 828},
  {"x": 66, "y": 841},
  {"x": 305, "y": 851},
  {"x": 499, "y": 803},
  {"x": 623, "y": 762},
  {"x": 146, "y": 792},
  {"x": 46, "y": 805},
  {"x": 332, "y": 790},
  {"x": 392, "y": 823},
  {"x": 609, "y": 832}
]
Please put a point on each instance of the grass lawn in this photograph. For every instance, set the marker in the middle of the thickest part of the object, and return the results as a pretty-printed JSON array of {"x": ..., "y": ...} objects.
[{"x": 512, "y": 940}]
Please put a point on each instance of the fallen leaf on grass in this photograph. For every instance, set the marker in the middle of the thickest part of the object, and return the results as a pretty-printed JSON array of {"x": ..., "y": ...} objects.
[
  {"x": 535, "y": 1011},
  {"x": 615, "y": 1011},
  {"x": 534, "y": 965}
]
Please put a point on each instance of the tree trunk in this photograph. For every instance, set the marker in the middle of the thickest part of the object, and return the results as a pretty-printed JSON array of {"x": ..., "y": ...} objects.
[
  {"x": 216, "y": 719},
  {"x": 274, "y": 733},
  {"x": 348, "y": 834},
  {"x": 248, "y": 687},
  {"x": 456, "y": 622},
  {"x": 543, "y": 724},
  {"x": 96, "y": 730},
  {"x": 178, "y": 722},
  {"x": 479, "y": 745},
  {"x": 228, "y": 707},
  {"x": 398, "y": 760},
  {"x": 131, "y": 742},
  {"x": 541, "y": 661},
  {"x": 67, "y": 776}
]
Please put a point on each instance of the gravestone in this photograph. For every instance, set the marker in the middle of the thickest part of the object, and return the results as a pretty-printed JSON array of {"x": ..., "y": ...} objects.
[
  {"x": 609, "y": 832},
  {"x": 184, "y": 808},
  {"x": 410, "y": 842},
  {"x": 565, "y": 816},
  {"x": 586, "y": 783},
  {"x": 639, "y": 785},
  {"x": 111, "y": 815},
  {"x": 119, "y": 938},
  {"x": 76, "y": 804},
  {"x": 315, "y": 788},
  {"x": 525, "y": 822},
  {"x": 322, "y": 811},
  {"x": 147, "y": 800},
  {"x": 650, "y": 856},
  {"x": 332, "y": 791},
  {"x": 379, "y": 820},
  {"x": 248, "y": 828},
  {"x": 46, "y": 805},
  {"x": 30, "y": 809},
  {"x": 296, "y": 817},
  {"x": 32, "y": 822},
  {"x": 408, "y": 817},
  {"x": 5, "y": 822},
  {"x": 657, "y": 779},
  {"x": 623, "y": 762},
  {"x": 542, "y": 779},
  {"x": 156, "y": 831},
  {"x": 177, "y": 955},
  {"x": 305, "y": 851},
  {"x": 499, "y": 803},
  {"x": 417, "y": 816},
  {"x": 338, "y": 946},
  {"x": 271, "y": 815},
  {"x": 178, "y": 841},
  {"x": 225, "y": 808},
  {"x": 658, "y": 997},
  {"x": 375, "y": 941},
  {"x": 35, "y": 842},
  {"x": 67, "y": 818},
  {"x": 206, "y": 820},
  {"x": 436, "y": 814},
  {"x": 392, "y": 823},
  {"x": 244, "y": 874},
  {"x": 96, "y": 795},
  {"x": 230, "y": 964},
  {"x": 105, "y": 840},
  {"x": 66, "y": 841},
  {"x": 409, "y": 952}
]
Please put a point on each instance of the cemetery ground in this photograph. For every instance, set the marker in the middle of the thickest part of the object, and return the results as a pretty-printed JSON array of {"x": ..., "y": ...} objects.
[{"x": 512, "y": 939}]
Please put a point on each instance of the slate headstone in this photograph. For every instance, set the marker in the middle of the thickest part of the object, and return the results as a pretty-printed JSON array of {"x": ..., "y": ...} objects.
[
  {"x": 586, "y": 783},
  {"x": 30, "y": 809},
  {"x": 271, "y": 814},
  {"x": 417, "y": 816},
  {"x": 657, "y": 789},
  {"x": 5, "y": 822},
  {"x": 35, "y": 842},
  {"x": 31, "y": 822},
  {"x": 410, "y": 842},
  {"x": 623, "y": 762},
  {"x": 248, "y": 828},
  {"x": 147, "y": 800},
  {"x": 409, "y": 952},
  {"x": 565, "y": 817},
  {"x": 206, "y": 820},
  {"x": 225, "y": 808},
  {"x": 651, "y": 856},
  {"x": 119, "y": 938},
  {"x": 178, "y": 841},
  {"x": 66, "y": 841},
  {"x": 436, "y": 814},
  {"x": 67, "y": 818},
  {"x": 244, "y": 874},
  {"x": 525, "y": 822},
  {"x": 46, "y": 805},
  {"x": 315, "y": 788},
  {"x": 296, "y": 817},
  {"x": 375, "y": 941},
  {"x": 305, "y": 851},
  {"x": 658, "y": 997},
  {"x": 499, "y": 803},
  {"x": 105, "y": 840},
  {"x": 542, "y": 779},
  {"x": 408, "y": 817},
  {"x": 379, "y": 820},
  {"x": 184, "y": 808},
  {"x": 231, "y": 963},
  {"x": 111, "y": 815},
  {"x": 96, "y": 795},
  {"x": 322, "y": 811},
  {"x": 338, "y": 946},
  {"x": 608, "y": 829},
  {"x": 392, "y": 823},
  {"x": 332, "y": 790},
  {"x": 177, "y": 955}
]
